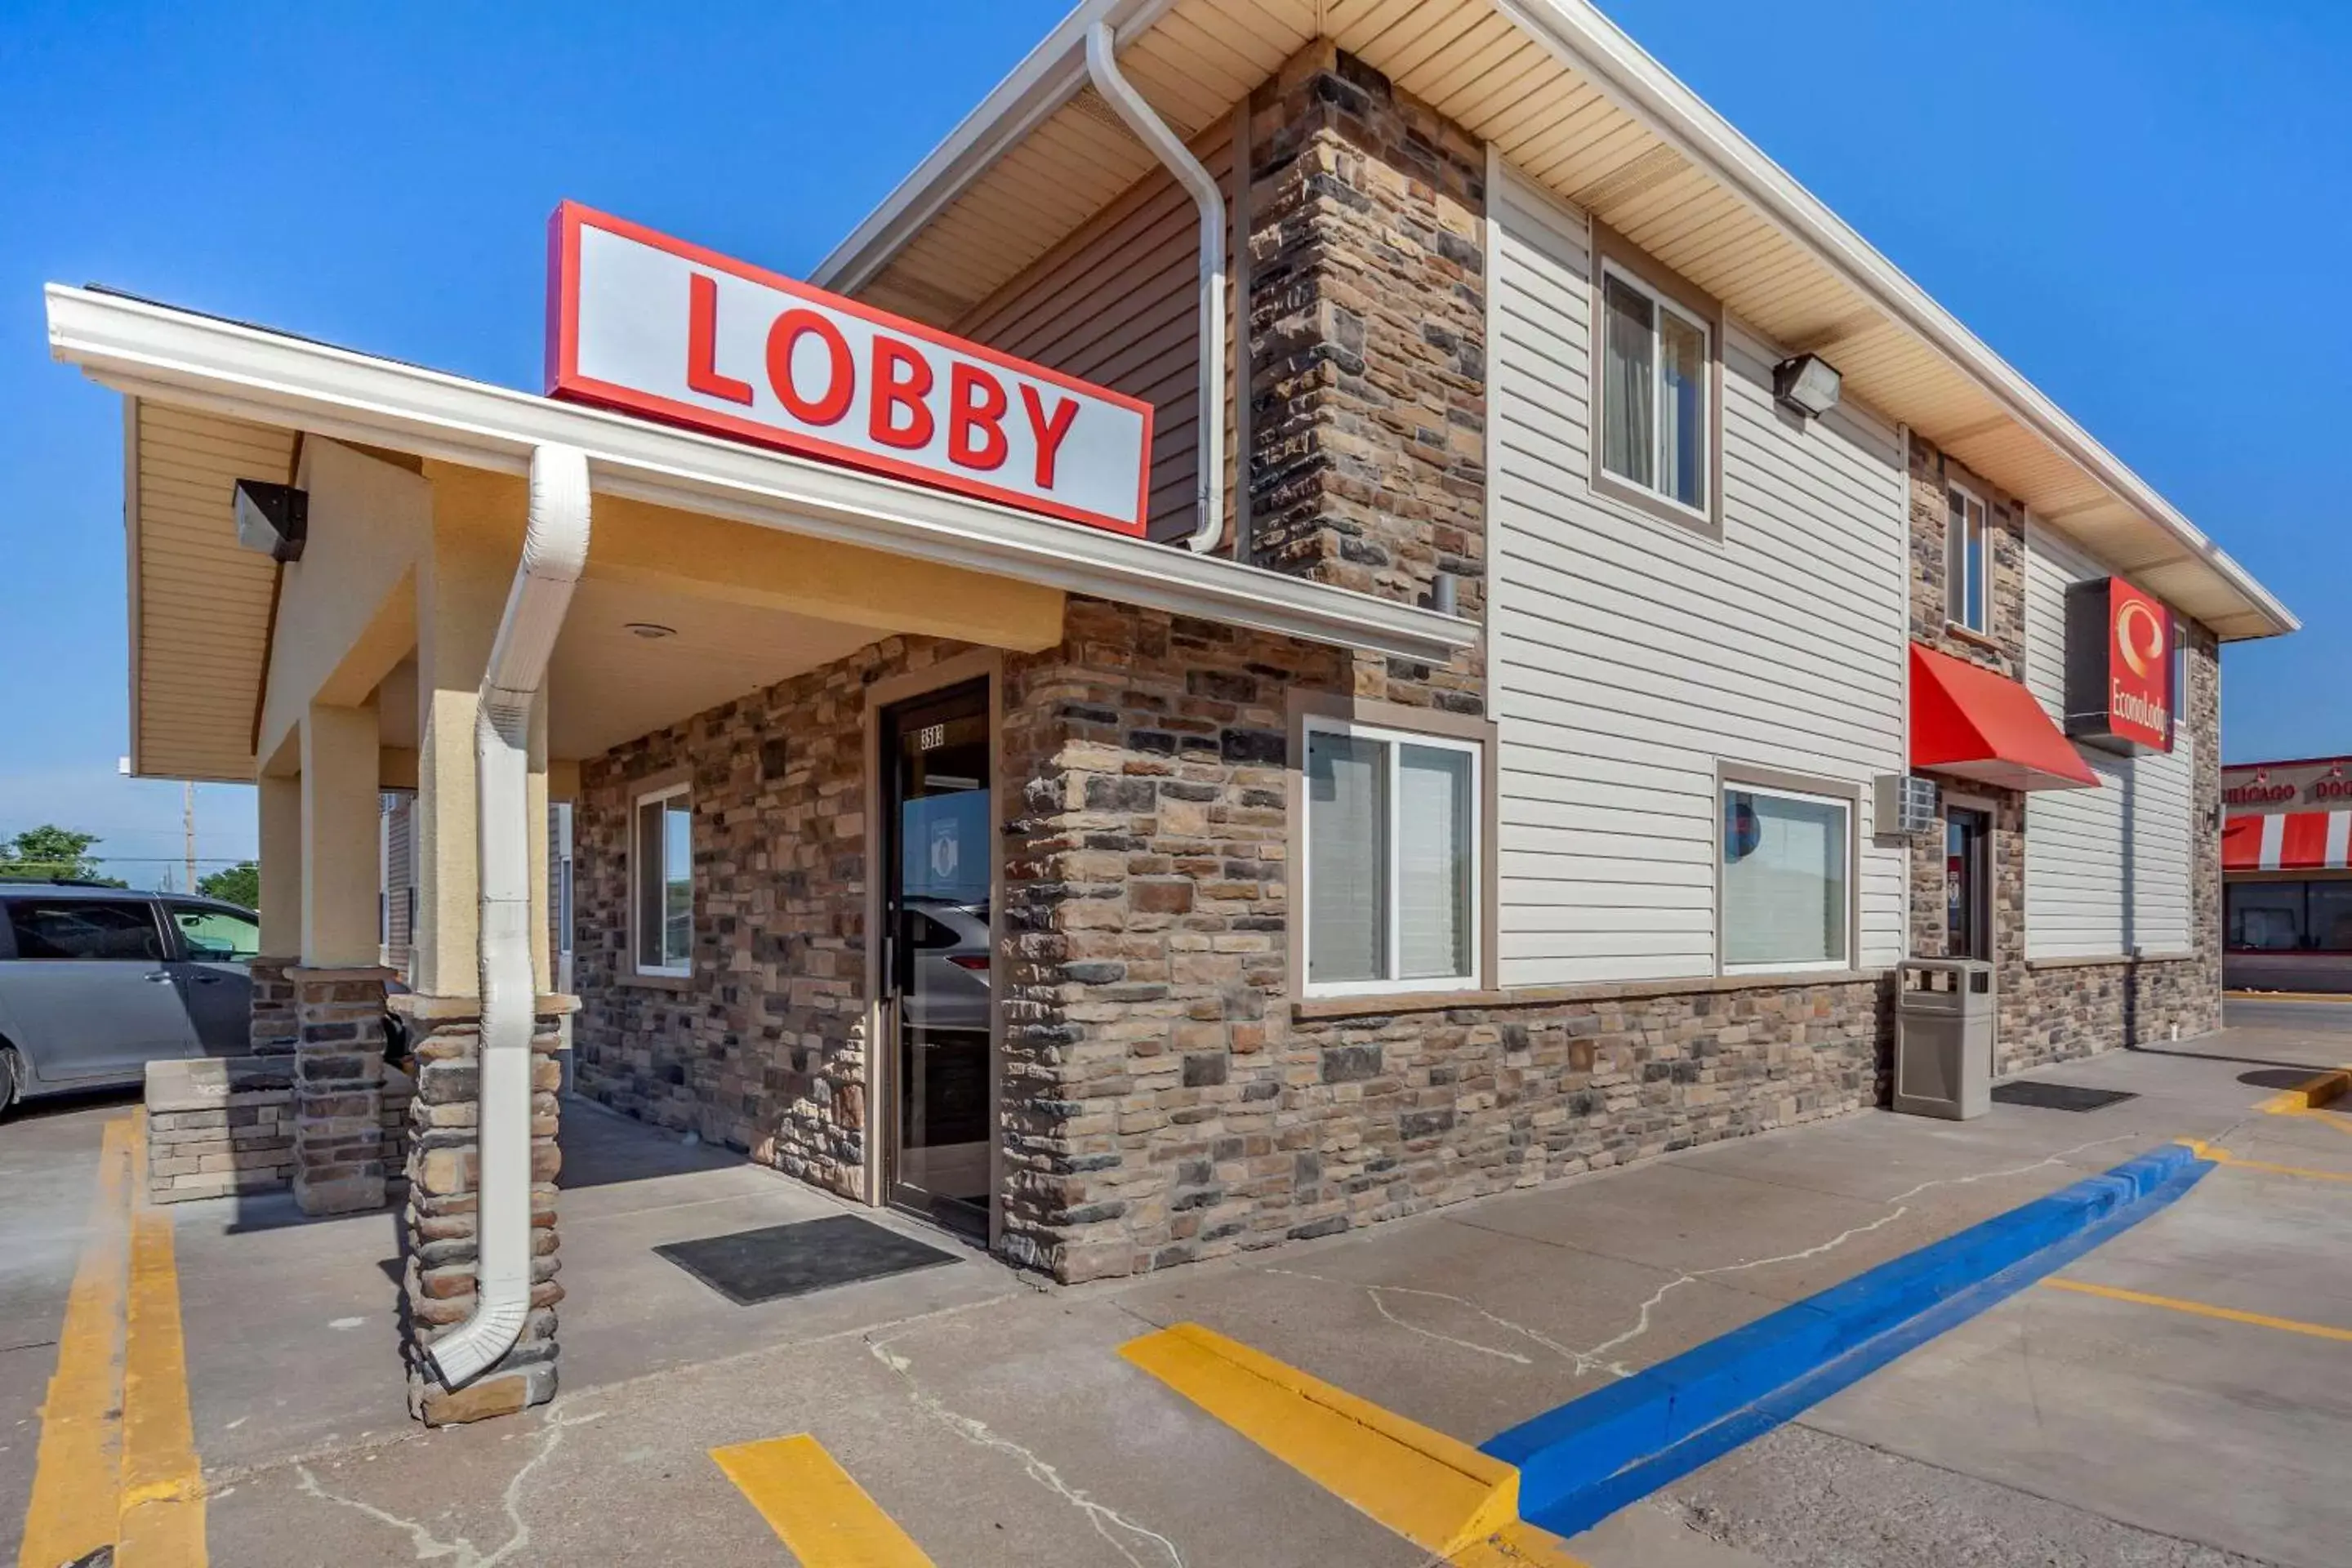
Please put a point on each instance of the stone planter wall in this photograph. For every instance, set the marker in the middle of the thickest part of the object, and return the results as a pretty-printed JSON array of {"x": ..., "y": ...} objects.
[{"x": 223, "y": 1126}]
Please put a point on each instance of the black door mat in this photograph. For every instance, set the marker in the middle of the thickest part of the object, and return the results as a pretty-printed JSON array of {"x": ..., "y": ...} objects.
[
  {"x": 2059, "y": 1096},
  {"x": 779, "y": 1260}
]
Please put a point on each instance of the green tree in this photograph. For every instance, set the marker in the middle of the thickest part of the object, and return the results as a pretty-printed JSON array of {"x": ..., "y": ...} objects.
[
  {"x": 240, "y": 884},
  {"x": 49, "y": 853}
]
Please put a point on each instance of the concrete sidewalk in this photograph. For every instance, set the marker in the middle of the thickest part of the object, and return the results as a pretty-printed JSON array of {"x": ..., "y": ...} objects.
[{"x": 996, "y": 1422}]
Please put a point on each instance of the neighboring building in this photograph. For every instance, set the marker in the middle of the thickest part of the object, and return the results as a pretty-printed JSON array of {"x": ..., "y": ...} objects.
[
  {"x": 2287, "y": 875},
  {"x": 1519, "y": 778}
]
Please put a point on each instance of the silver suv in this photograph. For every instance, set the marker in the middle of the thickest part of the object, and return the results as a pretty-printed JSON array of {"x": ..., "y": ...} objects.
[{"x": 95, "y": 982}]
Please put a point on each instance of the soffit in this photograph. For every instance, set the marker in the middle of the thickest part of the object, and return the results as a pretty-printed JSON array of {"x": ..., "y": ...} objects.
[
  {"x": 199, "y": 604},
  {"x": 1499, "y": 68}
]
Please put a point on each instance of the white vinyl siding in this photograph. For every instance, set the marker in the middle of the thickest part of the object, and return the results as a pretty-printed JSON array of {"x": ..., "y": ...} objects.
[
  {"x": 2106, "y": 870},
  {"x": 1630, "y": 655}
]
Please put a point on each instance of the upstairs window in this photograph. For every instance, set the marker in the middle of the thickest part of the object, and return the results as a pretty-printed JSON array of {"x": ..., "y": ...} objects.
[
  {"x": 1392, "y": 860},
  {"x": 1968, "y": 564},
  {"x": 663, "y": 862},
  {"x": 1654, "y": 391}
]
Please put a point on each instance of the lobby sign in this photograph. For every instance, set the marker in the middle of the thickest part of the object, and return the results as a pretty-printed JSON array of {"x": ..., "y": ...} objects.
[
  {"x": 646, "y": 324},
  {"x": 2119, "y": 664}
]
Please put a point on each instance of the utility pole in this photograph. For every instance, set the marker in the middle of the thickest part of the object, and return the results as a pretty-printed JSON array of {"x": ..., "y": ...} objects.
[{"x": 188, "y": 827}]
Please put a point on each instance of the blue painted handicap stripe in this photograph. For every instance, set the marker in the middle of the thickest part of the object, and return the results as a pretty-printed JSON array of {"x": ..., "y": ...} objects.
[{"x": 1591, "y": 1457}]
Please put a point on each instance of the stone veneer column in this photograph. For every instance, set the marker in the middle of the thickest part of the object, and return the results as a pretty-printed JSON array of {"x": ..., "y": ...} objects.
[
  {"x": 277, "y": 1024},
  {"x": 1367, "y": 352},
  {"x": 440, "y": 1233},
  {"x": 339, "y": 1089}
]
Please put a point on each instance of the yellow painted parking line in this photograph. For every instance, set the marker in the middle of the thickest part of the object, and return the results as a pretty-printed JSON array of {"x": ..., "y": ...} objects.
[
  {"x": 814, "y": 1508},
  {"x": 73, "y": 1510},
  {"x": 2200, "y": 1310},
  {"x": 2222, "y": 1156},
  {"x": 162, "y": 1501},
  {"x": 1442, "y": 1495},
  {"x": 2338, "y": 997}
]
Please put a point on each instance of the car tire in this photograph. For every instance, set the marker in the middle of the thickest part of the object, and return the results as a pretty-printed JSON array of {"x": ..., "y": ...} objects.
[{"x": 11, "y": 1078}]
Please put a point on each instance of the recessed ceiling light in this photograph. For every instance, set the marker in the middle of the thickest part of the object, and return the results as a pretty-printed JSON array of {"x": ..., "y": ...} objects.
[{"x": 652, "y": 631}]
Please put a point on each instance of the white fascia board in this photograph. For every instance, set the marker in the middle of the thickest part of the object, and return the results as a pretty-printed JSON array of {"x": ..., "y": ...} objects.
[
  {"x": 144, "y": 350},
  {"x": 1590, "y": 44},
  {"x": 1048, "y": 77}
]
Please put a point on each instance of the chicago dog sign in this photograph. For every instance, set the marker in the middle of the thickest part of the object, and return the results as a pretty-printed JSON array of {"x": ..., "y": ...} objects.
[{"x": 648, "y": 324}]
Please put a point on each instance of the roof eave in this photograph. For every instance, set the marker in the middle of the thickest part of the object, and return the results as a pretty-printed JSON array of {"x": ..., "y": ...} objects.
[
  {"x": 1589, "y": 43},
  {"x": 1047, "y": 79}
]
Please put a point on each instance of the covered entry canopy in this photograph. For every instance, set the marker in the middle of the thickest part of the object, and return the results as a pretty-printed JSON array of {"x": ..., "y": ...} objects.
[{"x": 211, "y": 401}]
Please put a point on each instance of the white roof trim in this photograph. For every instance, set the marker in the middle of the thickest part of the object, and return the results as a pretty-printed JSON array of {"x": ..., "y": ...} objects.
[
  {"x": 1590, "y": 44},
  {"x": 154, "y": 352}
]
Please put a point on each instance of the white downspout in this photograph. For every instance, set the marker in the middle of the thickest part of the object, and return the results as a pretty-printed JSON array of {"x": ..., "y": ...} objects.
[
  {"x": 555, "y": 550},
  {"x": 1209, "y": 494}
]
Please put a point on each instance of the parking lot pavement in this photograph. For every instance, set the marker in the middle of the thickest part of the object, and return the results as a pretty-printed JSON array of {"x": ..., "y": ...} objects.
[{"x": 985, "y": 1421}]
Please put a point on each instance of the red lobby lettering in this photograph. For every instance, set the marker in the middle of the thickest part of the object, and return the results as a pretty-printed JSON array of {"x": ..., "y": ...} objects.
[
  {"x": 702, "y": 342},
  {"x": 841, "y": 383},
  {"x": 1049, "y": 430},
  {"x": 976, "y": 405},
  {"x": 902, "y": 379}
]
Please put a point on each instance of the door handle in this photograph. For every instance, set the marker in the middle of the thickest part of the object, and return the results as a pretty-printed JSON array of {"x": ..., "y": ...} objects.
[{"x": 161, "y": 977}]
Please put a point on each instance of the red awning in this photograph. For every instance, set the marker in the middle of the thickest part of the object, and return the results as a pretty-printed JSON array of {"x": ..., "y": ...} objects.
[
  {"x": 1970, "y": 722},
  {"x": 2287, "y": 841}
]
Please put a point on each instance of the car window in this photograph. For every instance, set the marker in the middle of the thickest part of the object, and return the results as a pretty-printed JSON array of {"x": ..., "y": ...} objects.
[
  {"x": 85, "y": 928},
  {"x": 214, "y": 935}
]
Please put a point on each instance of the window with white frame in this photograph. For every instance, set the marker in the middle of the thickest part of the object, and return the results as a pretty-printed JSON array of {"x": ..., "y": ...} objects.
[
  {"x": 1391, "y": 861},
  {"x": 1653, "y": 376},
  {"x": 1967, "y": 563},
  {"x": 1785, "y": 889},
  {"x": 662, "y": 865}
]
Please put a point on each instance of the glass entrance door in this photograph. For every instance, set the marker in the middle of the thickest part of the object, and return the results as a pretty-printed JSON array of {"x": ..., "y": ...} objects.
[
  {"x": 1968, "y": 873},
  {"x": 939, "y": 826}
]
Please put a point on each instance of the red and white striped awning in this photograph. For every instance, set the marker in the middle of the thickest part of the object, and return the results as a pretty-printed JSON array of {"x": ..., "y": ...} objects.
[{"x": 2287, "y": 841}]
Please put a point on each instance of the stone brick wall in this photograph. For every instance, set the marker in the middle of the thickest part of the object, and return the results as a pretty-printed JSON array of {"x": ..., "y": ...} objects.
[
  {"x": 763, "y": 1048},
  {"x": 2051, "y": 1011},
  {"x": 1367, "y": 358}
]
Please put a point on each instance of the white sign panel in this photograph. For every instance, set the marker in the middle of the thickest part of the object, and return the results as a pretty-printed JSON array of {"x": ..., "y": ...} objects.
[{"x": 651, "y": 325}]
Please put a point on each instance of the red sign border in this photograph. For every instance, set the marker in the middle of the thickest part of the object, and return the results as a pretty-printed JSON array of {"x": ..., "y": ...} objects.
[{"x": 564, "y": 380}]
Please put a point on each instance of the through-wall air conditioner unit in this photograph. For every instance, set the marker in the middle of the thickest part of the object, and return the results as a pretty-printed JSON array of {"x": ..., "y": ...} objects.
[{"x": 1908, "y": 804}]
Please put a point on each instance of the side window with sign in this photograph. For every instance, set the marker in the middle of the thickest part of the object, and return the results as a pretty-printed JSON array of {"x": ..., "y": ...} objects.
[{"x": 1786, "y": 879}]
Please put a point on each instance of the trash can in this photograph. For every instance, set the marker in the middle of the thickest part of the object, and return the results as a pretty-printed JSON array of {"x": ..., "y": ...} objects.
[{"x": 1942, "y": 1038}]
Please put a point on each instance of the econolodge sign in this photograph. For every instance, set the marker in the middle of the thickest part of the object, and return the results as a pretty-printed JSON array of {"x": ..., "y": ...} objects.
[
  {"x": 646, "y": 324},
  {"x": 2119, "y": 667}
]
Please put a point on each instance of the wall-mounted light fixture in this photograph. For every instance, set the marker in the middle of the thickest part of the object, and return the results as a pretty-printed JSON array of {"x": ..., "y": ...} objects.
[
  {"x": 1807, "y": 384},
  {"x": 273, "y": 520}
]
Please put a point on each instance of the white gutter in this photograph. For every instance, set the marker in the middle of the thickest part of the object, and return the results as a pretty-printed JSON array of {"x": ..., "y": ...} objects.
[
  {"x": 194, "y": 361},
  {"x": 1209, "y": 447},
  {"x": 554, "y": 552},
  {"x": 1587, "y": 42}
]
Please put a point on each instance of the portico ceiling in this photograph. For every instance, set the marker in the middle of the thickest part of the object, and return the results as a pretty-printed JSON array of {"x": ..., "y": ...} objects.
[{"x": 1573, "y": 103}]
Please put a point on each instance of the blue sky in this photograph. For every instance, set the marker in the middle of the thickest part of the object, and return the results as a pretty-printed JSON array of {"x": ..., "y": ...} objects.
[{"x": 2140, "y": 204}]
